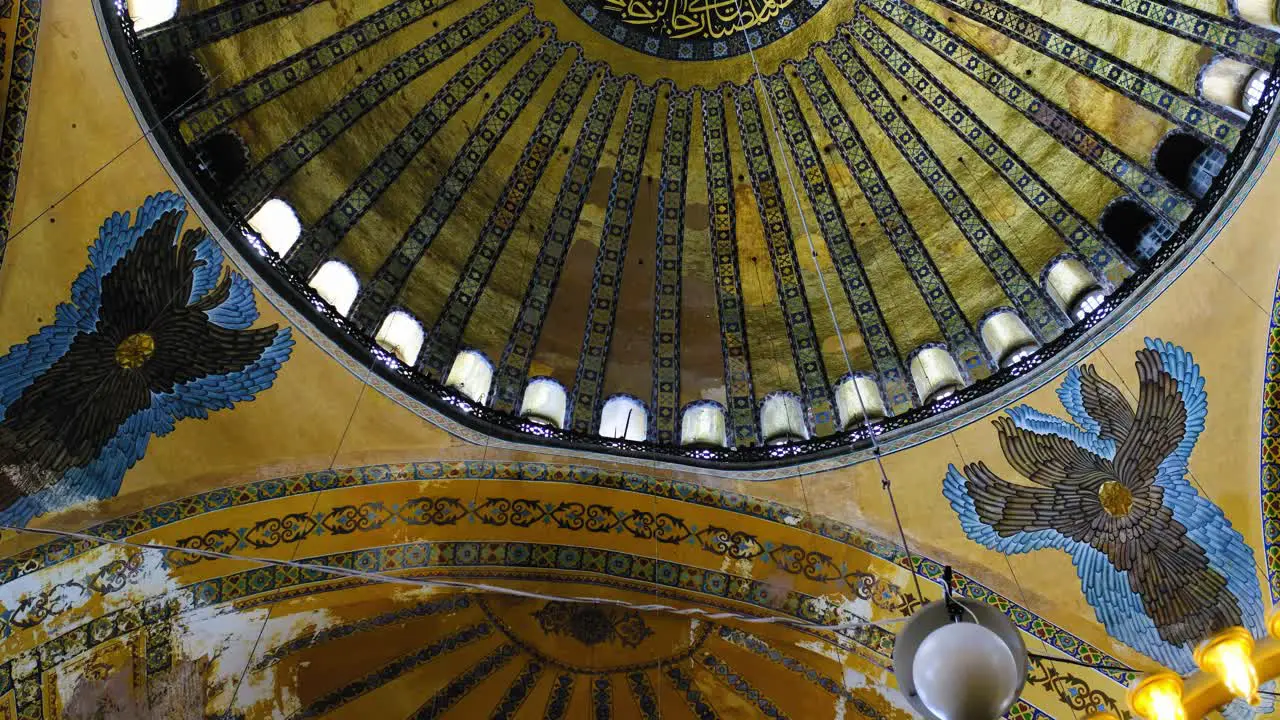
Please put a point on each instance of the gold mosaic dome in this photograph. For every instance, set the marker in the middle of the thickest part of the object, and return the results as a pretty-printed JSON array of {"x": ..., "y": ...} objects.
[{"x": 704, "y": 228}]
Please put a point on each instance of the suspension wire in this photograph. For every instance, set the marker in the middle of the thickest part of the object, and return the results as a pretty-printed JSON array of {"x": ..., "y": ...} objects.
[
  {"x": 381, "y": 577},
  {"x": 835, "y": 322}
]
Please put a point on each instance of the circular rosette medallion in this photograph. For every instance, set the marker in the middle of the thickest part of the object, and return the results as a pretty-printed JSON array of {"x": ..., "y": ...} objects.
[{"x": 695, "y": 29}]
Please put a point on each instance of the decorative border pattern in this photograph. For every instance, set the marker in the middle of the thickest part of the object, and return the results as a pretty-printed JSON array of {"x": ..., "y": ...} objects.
[
  {"x": 1270, "y": 470},
  {"x": 518, "y": 691},
  {"x": 606, "y": 282},
  {"x": 642, "y": 691},
  {"x": 667, "y": 258},
  {"x": 724, "y": 251},
  {"x": 205, "y": 116},
  {"x": 305, "y": 144},
  {"x": 1233, "y": 38},
  {"x": 693, "y": 697},
  {"x": 561, "y": 694},
  {"x": 744, "y": 689},
  {"x": 897, "y": 228},
  {"x": 443, "y": 339},
  {"x": 61, "y": 550},
  {"x": 1163, "y": 199},
  {"x": 223, "y": 20},
  {"x": 1075, "y": 230},
  {"x": 892, "y": 376},
  {"x": 1014, "y": 280},
  {"x": 451, "y": 693},
  {"x": 17, "y": 99},
  {"x": 513, "y": 369},
  {"x": 806, "y": 349},
  {"x": 377, "y": 296},
  {"x": 601, "y": 698},
  {"x": 1213, "y": 123}
]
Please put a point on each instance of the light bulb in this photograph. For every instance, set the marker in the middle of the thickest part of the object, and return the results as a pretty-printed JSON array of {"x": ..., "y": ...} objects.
[
  {"x": 1158, "y": 697},
  {"x": 1273, "y": 624},
  {"x": 1229, "y": 656}
]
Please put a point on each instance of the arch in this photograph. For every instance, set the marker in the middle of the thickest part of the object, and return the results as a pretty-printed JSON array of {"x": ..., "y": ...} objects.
[
  {"x": 935, "y": 373},
  {"x": 402, "y": 334},
  {"x": 1133, "y": 229},
  {"x": 1069, "y": 282},
  {"x": 858, "y": 399},
  {"x": 277, "y": 224},
  {"x": 337, "y": 285},
  {"x": 150, "y": 13},
  {"x": 702, "y": 424},
  {"x": 1175, "y": 157},
  {"x": 1253, "y": 90},
  {"x": 1223, "y": 80},
  {"x": 471, "y": 375},
  {"x": 782, "y": 418},
  {"x": 1258, "y": 12},
  {"x": 624, "y": 416},
  {"x": 544, "y": 402},
  {"x": 1007, "y": 337}
]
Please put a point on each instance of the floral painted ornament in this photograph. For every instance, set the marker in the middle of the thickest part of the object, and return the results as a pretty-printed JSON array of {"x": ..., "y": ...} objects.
[{"x": 155, "y": 332}]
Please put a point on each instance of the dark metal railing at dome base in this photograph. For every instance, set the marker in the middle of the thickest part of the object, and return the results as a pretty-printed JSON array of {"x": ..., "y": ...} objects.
[{"x": 199, "y": 182}]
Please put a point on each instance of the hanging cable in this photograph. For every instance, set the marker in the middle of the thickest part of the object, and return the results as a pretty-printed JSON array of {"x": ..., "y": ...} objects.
[{"x": 835, "y": 322}]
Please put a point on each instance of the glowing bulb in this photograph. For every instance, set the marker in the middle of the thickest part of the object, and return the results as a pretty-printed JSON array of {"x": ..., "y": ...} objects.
[
  {"x": 1158, "y": 697},
  {"x": 1273, "y": 625},
  {"x": 1228, "y": 655}
]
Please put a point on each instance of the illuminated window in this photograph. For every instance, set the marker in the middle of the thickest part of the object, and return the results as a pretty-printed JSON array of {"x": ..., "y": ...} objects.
[
  {"x": 624, "y": 416},
  {"x": 782, "y": 418},
  {"x": 1073, "y": 287},
  {"x": 337, "y": 285},
  {"x": 544, "y": 402},
  {"x": 402, "y": 334},
  {"x": 1007, "y": 337},
  {"x": 1253, "y": 90},
  {"x": 857, "y": 399},
  {"x": 471, "y": 375},
  {"x": 1259, "y": 12},
  {"x": 702, "y": 424},
  {"x": 277, "y": 224},
  {"x": 1224, "y": 80},
  {"x": 1133, "y": 229},
  {"x": 1188, "y": 162},
  {"x": 150, "y": 13},
  {"x": 935, "y": 374}
]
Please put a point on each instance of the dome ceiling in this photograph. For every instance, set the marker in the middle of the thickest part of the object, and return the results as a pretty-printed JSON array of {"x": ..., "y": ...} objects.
[{"x": 707, "y": 201}]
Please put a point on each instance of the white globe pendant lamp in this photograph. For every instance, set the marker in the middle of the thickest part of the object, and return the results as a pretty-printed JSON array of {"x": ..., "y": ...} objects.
[{"x": 960, "y": 660}]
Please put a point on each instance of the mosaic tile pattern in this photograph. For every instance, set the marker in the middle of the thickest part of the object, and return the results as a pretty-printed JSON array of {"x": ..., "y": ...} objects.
[
  {"x": 561, "y": 694},
  {"x": 806, "y": 348},
  {"x": 1270, "y": 470},
  {"x": 1039, "y": 195},
  {"x": 586, "y": 397},
  {"x": 892, "y": 376},
  {"x": 373, "y": 680},
  {"x": 292, "y": 155},
  {"x": 17, "y": 98},
  {"x": 642, "y": 692},
  {"x": 669, "y": 247},
  {"x": 450, "y": 694},
  {"x": 1164, "y": 200},
  {"x": 377, "y": 296},
  {"x": 742, "y": 687},
  {"x": 693, "y": 697},
  {"x": 518, "y": 692},
  {"x": 1033, "y": 304},
  {"x": 209, "y": 116},
  {"x": 1210, "y": 121},
  {"x": 513, "y": 368},
  {"x": 724, "y": 250},
  {"x": 601, "y": 698},
  {"x": 159, "y": 516},
  {"x": 959, "y": 334},
  {"x": 444, "y": 338},
  {"x": 189, "y": 32},
  {"x": 1231, "y": 38}
]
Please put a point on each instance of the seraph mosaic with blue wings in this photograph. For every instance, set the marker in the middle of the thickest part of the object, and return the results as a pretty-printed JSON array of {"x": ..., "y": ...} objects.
[
  {"x": 1159, "y": 562},
  {"x": 155, "y": 332}
]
